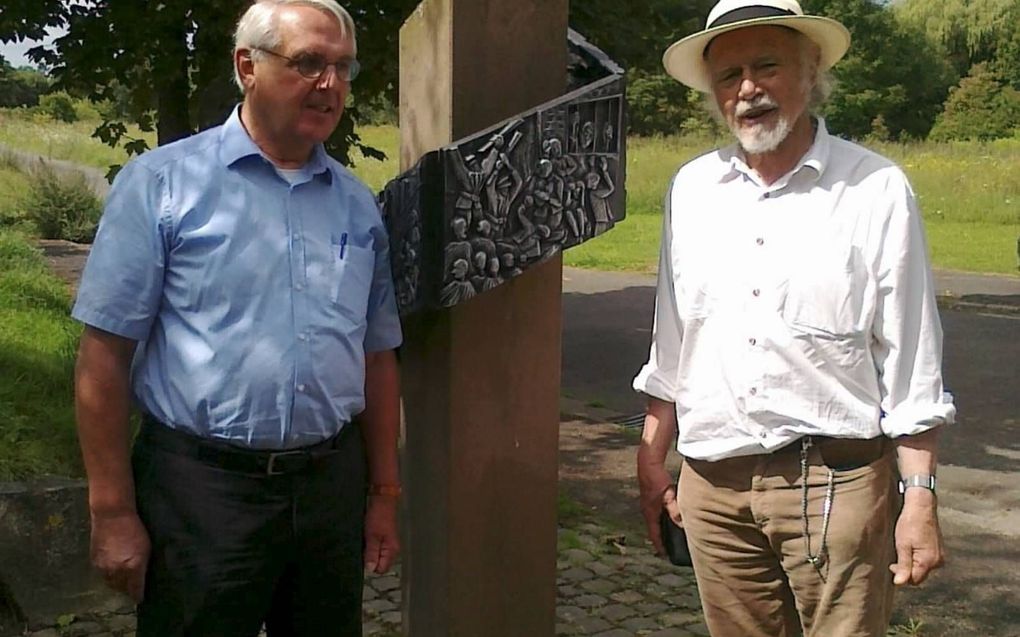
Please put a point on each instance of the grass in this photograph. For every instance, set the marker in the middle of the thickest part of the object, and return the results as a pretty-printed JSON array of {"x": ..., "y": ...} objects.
[
  {"x": 37, "y": 342},
  {"x": 969, "y": 195},
  {"x": 59, "y": 140},
  {"x": 968, "y": 191},
  {"x": 569, "y": 511},
  {"x": 373, "y": 172},
  {"x": 14, "y": 189},
  {"x": 632, "y": 245},
  {"x": 912, "y": 628}
]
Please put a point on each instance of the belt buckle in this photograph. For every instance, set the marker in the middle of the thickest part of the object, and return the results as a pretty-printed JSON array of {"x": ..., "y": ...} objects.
[{"x": 271, "y": 469}]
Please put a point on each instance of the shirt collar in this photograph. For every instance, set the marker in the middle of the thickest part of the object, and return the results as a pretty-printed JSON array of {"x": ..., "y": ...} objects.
[
  {"x": 236, "y": 144},
  {"x": 816, "y": 158}
]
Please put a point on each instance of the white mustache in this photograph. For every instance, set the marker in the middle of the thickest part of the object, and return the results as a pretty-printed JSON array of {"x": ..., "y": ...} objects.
[{"x": 760, "y": 101}]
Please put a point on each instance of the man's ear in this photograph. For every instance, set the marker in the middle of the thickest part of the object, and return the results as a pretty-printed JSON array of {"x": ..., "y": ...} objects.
[{"x": 245, "y": 68}]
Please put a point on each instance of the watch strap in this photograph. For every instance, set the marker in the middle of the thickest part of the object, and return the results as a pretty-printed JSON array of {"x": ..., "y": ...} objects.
[{"x": 923, "y": 480}]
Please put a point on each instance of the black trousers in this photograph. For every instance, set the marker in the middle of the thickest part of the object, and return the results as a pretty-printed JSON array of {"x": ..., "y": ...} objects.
[{"x": 233, "y": 548}]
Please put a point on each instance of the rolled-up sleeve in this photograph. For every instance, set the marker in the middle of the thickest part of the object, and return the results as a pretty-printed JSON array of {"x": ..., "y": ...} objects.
[
  {"x": 657, "y": 377},
  {"x": 122, "y": 283},
  {"x": 907, "y": 333}
]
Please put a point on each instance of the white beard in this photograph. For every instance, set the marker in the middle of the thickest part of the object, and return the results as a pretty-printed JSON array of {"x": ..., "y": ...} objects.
[{"x": 759, "y": 139}]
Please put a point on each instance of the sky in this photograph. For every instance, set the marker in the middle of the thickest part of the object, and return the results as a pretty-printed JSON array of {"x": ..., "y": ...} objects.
[{"x": 14, "y": 52}]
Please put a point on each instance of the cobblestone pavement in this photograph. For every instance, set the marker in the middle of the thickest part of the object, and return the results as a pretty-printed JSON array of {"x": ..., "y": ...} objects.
[{"x": 605, "y": 589}]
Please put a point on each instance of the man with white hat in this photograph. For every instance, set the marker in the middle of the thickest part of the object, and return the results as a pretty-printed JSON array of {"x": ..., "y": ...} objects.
[{"x": 796, "y": 353}]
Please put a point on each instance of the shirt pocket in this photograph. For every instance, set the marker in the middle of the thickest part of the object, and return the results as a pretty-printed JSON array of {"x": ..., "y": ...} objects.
[
  {"x": 351, "y": 282},
  {"x": 825, "y": 307},
  {"x": 825, "y": 296}
]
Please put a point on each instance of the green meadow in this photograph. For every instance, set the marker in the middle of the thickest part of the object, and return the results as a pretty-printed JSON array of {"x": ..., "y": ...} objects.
[
  {"x": 969, "y": 191},
  {"x": 969, "y": 194},
  {"x": 37, "y": 343}
]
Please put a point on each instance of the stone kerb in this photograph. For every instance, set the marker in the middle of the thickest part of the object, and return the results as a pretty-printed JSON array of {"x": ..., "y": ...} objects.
[{"x": 44, "y": 561}]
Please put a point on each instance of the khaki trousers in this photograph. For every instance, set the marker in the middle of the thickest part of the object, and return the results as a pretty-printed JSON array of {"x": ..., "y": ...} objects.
[{"x": 745, "y": 527}]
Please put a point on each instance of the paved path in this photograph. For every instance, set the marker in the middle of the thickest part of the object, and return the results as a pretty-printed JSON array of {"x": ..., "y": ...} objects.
[
  {"x": 607, "y": 320},
  {"x": 605, "y": 589},
  {"x": 609, "y": 588}
]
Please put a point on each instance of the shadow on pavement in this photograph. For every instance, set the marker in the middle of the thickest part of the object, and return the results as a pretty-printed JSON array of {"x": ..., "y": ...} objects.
[{"x": 606, "y": 337}]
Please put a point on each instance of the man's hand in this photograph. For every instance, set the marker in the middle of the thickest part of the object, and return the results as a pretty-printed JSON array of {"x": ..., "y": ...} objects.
[
  {"x": 382, "y": 541},
  {"x": 657, "y": 487},
  {"x": 658, "y": 491},
  {"x": 919, "y": 547},
  {"x": 120, "y": 550}
]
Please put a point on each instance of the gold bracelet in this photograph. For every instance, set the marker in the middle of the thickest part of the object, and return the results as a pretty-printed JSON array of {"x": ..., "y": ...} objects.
[{"x": 388, "y": 490}]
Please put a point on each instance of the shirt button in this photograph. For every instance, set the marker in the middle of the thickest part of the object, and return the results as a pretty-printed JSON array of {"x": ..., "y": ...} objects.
[
  {"x": 302, "y": 337},
  {"x": 752, "y": 341},
  {"x": 753, "y": 391},
  {"x": 764, "y": 435},
  {"x": 766, "y": 195},
  {"x": 760, "y": 241},
  {"x": 299, "y": 287},
  {"x": 756, "y": 292},
  {"x": 295, "y": 236},
  {"x": 301, "y": 388}
]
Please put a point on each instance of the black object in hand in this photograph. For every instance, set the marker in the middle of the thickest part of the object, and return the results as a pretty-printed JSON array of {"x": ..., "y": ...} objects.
[{"x": 674, "y": 540}]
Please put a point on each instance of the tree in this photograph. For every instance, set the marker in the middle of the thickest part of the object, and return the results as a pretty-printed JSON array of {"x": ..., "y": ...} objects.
[
  {"x": 1006, "y": 63},
  {"x": 891, "y": 70},
  {"x": 21, "y": 87},
  {"x": 175, "y": 58},
  {"x": 980, "y": 108},
  {"x": 635, "y": 35},
  {"x": 970, "y": 31}
]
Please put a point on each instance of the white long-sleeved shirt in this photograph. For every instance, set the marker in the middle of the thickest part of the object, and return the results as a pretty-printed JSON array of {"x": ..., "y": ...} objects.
[{"x": 804, "y": 307}]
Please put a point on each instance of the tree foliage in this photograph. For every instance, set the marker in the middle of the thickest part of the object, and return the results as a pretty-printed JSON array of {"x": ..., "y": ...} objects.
[
  {"x": 175, "y": 55},
  {"x": 21, "y": 87},
  {"x": 166, "y": 66},
  {"x": 892, "y": 70},
  {"x": 970, "y": 31},
  {"x": 980, "y": 108},
  {"x": 635, "y": 35}
]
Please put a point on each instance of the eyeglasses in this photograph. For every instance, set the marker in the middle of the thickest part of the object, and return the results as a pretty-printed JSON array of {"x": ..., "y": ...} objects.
[{"x": 313, "y": 65}]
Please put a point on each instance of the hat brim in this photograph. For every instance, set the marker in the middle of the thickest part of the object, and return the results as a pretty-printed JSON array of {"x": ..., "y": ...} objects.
[{"x": 685, "y": 61}]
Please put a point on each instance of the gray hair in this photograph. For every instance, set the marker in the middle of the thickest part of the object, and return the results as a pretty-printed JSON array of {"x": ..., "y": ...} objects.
[
  {"x": 822, "y": 81},
  {"x": 258, "y": 28}
]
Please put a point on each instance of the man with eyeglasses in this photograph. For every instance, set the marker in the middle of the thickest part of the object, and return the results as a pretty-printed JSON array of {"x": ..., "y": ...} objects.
[{"x": 239, "y": 293}]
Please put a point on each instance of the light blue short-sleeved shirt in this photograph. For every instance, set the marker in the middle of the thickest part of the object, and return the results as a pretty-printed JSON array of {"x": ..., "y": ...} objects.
[{"x": 253, "y": 297}]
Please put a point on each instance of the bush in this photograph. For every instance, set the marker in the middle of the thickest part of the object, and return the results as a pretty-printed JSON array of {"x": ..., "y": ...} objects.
[
  {"x": 62, "y": 207},
  {"x": 59, "y": 106},
  {"x": 86, "y": 111},
  {"x": 657, "y": 104}
]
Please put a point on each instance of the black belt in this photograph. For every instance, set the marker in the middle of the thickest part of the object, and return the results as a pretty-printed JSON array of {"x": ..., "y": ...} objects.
[
  {"x": 233, "y": 458},
  {"x": 843, "y": 453}
]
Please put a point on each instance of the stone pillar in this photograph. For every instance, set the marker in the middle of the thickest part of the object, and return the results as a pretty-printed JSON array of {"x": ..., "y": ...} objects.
[{"x": 481, "y": 381}]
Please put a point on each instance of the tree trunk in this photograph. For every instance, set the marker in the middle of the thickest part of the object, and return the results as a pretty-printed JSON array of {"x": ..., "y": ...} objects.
[{"x": 170, "y": 66}]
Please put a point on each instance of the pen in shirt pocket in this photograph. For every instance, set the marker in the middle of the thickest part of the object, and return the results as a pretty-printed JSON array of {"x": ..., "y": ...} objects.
[{"x": 342, "y": 245}]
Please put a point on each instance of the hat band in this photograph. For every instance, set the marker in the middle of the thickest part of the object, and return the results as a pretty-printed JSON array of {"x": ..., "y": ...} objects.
[{"x": 748, "y": 13}]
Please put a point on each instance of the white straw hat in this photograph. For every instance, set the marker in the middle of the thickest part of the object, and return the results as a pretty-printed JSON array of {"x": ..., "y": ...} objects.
[{"x": 685, "y": 59}]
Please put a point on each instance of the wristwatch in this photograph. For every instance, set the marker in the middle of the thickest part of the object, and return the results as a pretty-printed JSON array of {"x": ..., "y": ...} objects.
[{"x": 923, "y": 480}]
